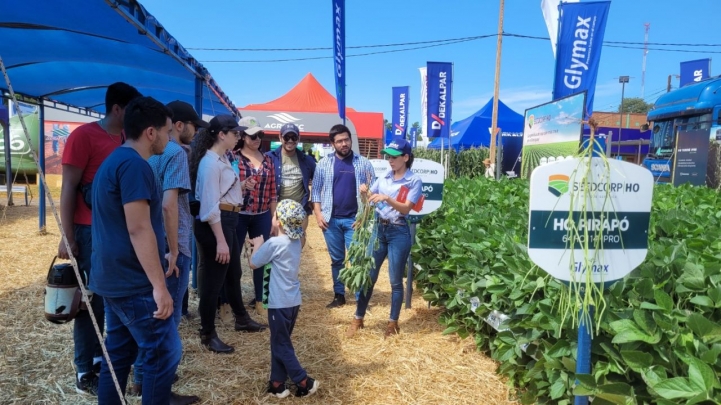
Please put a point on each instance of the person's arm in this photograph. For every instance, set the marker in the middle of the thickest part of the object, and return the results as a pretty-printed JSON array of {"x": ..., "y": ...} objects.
[
  {"x": 145, "y": 244},
  {"x": 262, "y": 253},
  {"x": 405, "y": 207},
  {"x": 316, "y": 196},
  {"x": 170, "y": 222},
  {"x": 72, "y": 176},
  {"x": 272, "y": 188}
]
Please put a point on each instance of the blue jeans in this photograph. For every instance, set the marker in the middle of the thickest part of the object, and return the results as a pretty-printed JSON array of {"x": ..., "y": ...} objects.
[
  {"x": 132, "y": 328},
  {"x": 394, "y": 242},
  {"x": 283, "y": 361},
  {"x": 338, "y": 237},
  {"x": 254, "y": 226},
  {"x": 177, "y": 287},
  {"x": 87, "y": 344}
]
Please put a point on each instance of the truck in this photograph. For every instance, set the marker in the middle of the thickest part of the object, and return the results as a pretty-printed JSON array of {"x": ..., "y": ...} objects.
[{"x": 693, "y": 107}]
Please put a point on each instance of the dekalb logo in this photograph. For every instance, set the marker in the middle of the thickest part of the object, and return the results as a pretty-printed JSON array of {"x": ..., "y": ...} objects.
[{"x": 558, "y": 184}]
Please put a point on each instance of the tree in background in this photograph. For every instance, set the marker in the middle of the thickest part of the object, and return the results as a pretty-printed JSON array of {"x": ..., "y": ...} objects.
[
  {"x": 635, "y": 105},
  {"x": 387, "y": 124},
  {"x": 419, "y": 130}
]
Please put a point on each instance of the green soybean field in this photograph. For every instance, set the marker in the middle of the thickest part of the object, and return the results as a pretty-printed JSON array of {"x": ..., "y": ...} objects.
[{"x": 535, "y": 155}]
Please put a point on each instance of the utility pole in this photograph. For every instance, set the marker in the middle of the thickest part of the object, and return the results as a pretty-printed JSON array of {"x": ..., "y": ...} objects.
[
  {"x": 623, "y": 80},
  {"x": 496, "y": 84},
  {"x": 668, "y": 84}
]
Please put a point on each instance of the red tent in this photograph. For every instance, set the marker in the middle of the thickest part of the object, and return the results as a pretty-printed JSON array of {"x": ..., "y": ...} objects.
[{"x": 315, "y": 111}]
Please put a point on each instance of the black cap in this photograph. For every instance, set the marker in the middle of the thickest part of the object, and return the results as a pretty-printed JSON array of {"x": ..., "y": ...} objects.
[
  {"x": 225, "y": 122},
  {"x": 185, "y": 112}
]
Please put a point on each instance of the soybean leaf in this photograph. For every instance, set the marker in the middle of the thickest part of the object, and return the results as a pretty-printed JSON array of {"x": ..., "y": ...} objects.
[
  {"x": 677, "y": 387},
  {"x": 644, "y": 319},
  {"x": 663, "y": 300},
  {"x": 627, "y": 331},
  {"x": 636, "y": 360},
  {"x": 702, "y": 327},
  {"x": 558, "y": 389},
  {"x": 701, "y": 375},
  {"x": 702, "y": 300}
]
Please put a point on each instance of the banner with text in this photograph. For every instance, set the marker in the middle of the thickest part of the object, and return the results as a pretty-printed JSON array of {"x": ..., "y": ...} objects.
[
  {"x": 400, "y": 108},
  {"x": 552, "y": 132},
  {"x": 578, "y": 55},
  {"x": 694, "y": 71},
  {"x": 440, "y": 85},
  {"x": 339, "y": 54}
]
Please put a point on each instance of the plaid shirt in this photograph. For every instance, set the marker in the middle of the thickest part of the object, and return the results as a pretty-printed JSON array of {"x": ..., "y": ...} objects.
[
  {"x": 322, "y": 190},
  {"x": 257, "y": 200}
]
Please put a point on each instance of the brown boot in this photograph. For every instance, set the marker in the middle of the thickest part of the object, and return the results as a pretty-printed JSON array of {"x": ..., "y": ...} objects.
[
  {"x": 354, "y": 326},
  {"x": 392, "y": 328},
  {"x": 262, "y": 312}
]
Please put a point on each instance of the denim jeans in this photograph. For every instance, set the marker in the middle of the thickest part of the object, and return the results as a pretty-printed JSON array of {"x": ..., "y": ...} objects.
[
  {"x": 338, "y": 237},
  {"x": 254, "y": 226},
  {"x": 216, "y": 276},
  {"x": 132, "y": 328},
  {"x": 283, "y": 361},
  {"x": 87, "y": 344},
  {"x": 177, "y": 286},
  {"x": 394, "y": 242}
]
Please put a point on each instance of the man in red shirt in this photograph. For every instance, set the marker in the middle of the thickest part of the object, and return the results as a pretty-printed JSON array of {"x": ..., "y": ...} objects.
[{"x": 86, "y": 148}]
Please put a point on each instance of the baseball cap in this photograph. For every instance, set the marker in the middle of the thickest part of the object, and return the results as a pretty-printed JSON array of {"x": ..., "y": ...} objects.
[
  {"x": 289, "y": 128},
  {"x": 225, "y": 122},
  {"x": 291, "y": 215},
  {"x": 185, "y": 112},
  {"x": 398, "y": 147},
  {"x": 251, "y": 125}
]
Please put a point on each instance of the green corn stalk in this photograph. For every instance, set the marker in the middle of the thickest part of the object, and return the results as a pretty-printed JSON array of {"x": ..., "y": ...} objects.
[{"x": 359, "y": 261}]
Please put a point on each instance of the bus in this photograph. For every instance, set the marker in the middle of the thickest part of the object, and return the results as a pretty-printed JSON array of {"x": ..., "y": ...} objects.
[{"x": 693, "y": 107}]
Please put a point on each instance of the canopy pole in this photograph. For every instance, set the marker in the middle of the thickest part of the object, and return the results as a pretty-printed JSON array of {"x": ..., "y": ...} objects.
[
  {"x": 8, "y": 155},
  {"x": 194, "y": 246},
  {"x": 41, "y": 166},
  {"x": 496, "y": 85}
]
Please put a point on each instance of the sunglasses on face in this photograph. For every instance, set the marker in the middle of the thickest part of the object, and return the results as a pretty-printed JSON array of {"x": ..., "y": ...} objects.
[
  {"x": 235, "y": 133},
  {"x": 253, "y": 137},
  {"x": 290, "y": 138}
]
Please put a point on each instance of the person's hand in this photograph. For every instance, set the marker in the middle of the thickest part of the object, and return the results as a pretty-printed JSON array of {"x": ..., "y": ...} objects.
[
  {"x": 222, "y": 253},
  {"x": 321, "y": 222},
  {"x": 363, "y": 189},
  {"x": 172, "y": 265},
  {"x": 376, "y": 198},
  {"x": 63, "y": 252},
  {"x": 250, "y": 183},
  {"x": 257, "y": 242},
  {"x": 164, "y": 303}
]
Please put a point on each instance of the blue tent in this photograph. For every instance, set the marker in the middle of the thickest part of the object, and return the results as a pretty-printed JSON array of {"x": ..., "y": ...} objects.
[{"x": 475, "y": 131}]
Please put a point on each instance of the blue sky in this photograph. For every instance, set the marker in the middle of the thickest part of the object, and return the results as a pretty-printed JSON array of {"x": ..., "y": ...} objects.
[{"x": 527, "y": 65}]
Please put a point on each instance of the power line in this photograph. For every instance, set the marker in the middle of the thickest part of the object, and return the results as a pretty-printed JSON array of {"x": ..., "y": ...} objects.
[{"x": 606, "y": 43}]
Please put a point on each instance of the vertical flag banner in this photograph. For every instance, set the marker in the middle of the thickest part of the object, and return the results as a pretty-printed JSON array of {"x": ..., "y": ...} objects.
[
  {"x": 580, "y": 39},
  {"x": 424, "y": 102},
  {"x": 400, "y": 109},
  {"x": 413, "y": 133},
  {"x": 694, "y": 71},
  {"x": 339, "y": 54},
  {"x": 440, "y": 83},
  {"x": 549, "y": 8}
]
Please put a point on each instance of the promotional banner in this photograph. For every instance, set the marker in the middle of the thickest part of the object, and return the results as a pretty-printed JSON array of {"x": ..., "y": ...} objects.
[
  {"x": 400, "y": 109},
  {"x": 694, "y": 71},
  {"x": 339, "y": 54},
  {"x": 580, "y": 39},
  {"x": 440, "y": 84},
  {"x": 424, "y": 101},
  {"x": 20, "y": 151},
  {"x": 512, "y": 143},
  {"x": 413, "y": 134},
  {"x": 549, "y": 8},
  {"x": 691, "y": 161},
  {"x": 552, "y": 132}
]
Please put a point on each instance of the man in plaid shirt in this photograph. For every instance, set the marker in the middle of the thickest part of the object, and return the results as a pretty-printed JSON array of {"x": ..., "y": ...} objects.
[{"x": 335, "y": 195}]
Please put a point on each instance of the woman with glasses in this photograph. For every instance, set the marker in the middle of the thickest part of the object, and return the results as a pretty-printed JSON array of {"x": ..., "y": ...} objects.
[
  {"x": 258, "y": 203},
  {"x": 220, "y": 193}
]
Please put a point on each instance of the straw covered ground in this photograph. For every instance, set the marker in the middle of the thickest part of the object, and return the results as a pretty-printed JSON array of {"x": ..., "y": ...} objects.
[{"x": 419, "y": 366}]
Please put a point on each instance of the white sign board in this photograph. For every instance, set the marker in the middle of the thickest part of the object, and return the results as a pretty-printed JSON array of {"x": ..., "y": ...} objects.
[
  {"x": 431, "y": 173},
  {"x": 617, "y": 210}
]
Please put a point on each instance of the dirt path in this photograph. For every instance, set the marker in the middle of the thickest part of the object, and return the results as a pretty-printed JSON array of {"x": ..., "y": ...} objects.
[{"x": 419, "y": 366}]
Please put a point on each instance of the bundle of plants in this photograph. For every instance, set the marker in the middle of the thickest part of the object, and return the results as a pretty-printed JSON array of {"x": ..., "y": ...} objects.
[{"x": 359, "y": 261}]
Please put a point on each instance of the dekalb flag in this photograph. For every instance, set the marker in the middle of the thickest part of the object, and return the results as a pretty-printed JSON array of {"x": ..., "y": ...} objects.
[
  {"x": 578, "y": 53},
  {"x": 400, "y": 110},
  {"x": 339, "y": 54},
  {"x": 440, "y": 83}
]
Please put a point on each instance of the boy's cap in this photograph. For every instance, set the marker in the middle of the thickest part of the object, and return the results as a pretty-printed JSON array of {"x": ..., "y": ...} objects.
[
  {"x": 291, "y": 216},
  {"x": 398, "y": 147},
  {"x": 251, "y": 125},
  {"x": 225, "y": 122},
  {"x": 185, "y": 112},
  {"x": 289, "y": 128}
]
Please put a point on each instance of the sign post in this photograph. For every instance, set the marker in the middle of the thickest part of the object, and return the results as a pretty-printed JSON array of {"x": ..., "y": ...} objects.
[
  {"x": 432, "y": 175},
  {"x": 611, "y": 207}
]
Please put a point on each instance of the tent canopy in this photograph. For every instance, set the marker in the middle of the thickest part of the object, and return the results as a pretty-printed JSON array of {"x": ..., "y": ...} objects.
[
  {"x": 310, "y": 106},
  {"x": 69, "y": 51},
  {"x": 475, "y": 131}
]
